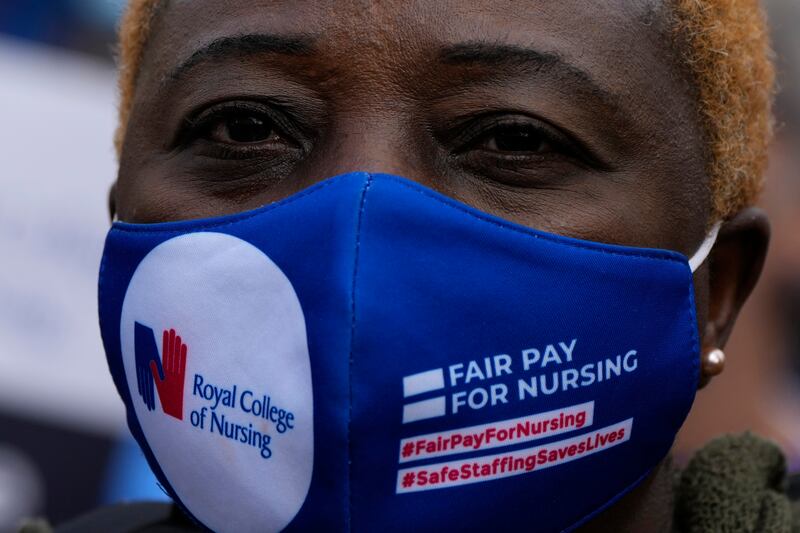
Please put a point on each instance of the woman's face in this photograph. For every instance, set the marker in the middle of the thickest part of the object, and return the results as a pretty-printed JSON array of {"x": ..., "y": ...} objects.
[{"x": 568, "y": 116}]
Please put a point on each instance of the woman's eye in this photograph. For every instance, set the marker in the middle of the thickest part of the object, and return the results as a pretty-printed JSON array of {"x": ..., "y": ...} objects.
[
  {"x": 515, "y": 139},
  {"x": 241, "y": 128},
  {"x": 515, "y": 150}
]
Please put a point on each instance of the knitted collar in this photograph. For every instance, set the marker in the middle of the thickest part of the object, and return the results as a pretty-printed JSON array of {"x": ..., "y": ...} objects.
[{"x": 737, "y": 484}]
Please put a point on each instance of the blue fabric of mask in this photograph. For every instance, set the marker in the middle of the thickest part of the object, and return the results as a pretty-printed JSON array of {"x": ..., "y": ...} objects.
[{"x": 369, "y": 355}]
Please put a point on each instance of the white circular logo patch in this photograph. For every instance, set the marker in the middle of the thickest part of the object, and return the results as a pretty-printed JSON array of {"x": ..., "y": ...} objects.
[{"x": 216, "y": 358}]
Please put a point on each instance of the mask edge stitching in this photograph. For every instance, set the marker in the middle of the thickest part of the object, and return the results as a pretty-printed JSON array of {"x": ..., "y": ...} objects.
[
  {"x": 356, "y": 254},
  {"x": 609, "y": 503},
  {"x": 694, "y": 324},
  {"x": 655, "y": 254},
  {"x": 147, "y": 229},
  {"x": 692, "y": 312}
]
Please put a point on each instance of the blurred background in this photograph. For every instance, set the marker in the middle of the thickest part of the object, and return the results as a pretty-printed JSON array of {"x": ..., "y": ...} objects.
[{"x": 64, "y": 447}]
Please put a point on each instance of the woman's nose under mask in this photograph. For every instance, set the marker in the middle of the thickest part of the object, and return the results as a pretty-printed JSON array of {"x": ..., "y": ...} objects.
[{"x": 369, "y": 355}]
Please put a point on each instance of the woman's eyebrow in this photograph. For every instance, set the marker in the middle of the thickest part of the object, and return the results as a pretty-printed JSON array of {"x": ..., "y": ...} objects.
[
  {"x": 518, "y": 58},
  {"x": 239, "y": 45}
]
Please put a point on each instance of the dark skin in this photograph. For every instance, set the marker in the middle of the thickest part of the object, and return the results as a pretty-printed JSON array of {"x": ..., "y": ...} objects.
[{"x": 541, "y": 115}]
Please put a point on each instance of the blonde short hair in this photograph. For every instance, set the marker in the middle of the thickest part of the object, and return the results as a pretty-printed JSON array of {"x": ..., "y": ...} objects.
[{"x": 723, "y": 44}]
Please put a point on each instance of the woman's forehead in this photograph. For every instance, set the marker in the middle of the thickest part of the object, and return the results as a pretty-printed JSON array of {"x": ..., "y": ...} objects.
[
  {"x": 620, "y": 44},
  {"x": 611, "y": 53}
]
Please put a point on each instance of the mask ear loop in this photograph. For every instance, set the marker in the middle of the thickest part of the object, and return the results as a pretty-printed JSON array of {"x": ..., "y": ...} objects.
[{"x": 701, "y": 254}]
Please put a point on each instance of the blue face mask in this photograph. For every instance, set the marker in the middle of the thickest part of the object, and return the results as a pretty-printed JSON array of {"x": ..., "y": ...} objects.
[{"x": 370, "y": 355}]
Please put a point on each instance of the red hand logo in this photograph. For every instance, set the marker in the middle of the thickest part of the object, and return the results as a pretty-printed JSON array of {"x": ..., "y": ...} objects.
[{"x": 170, "y": 377}]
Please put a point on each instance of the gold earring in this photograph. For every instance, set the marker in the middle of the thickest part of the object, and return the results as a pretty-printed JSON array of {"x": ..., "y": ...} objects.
[{"x": 713, "y": 362}]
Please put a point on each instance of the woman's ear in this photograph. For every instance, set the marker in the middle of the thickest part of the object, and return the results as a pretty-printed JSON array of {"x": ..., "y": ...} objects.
[
  {"x": 112, "y": 202},
  {"x": 735, "y": 265}
]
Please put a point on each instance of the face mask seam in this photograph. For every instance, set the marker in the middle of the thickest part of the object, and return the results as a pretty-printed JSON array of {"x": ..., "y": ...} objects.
[
  {"x": 142, "y": 229},
  {"x": 657, "y": 255},
  {"x": 691, "y": 311},
  {"x": 695, "y": 336},
  {"x": 356, "y": 254},
  {"x": 608, "y": 503},
  {"x": 692, "y": 315}
]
